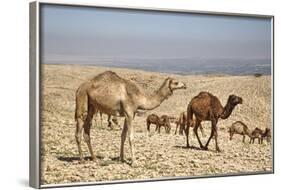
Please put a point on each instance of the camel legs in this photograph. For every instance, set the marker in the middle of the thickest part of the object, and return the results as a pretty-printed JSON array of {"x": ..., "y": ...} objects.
[
  {"x": 243, "y": 139},
  {"x": 181, "y": 129},
  {"x": 167, "y": 128},
  {"x": 87, "y": 128},
  {"x": 202, "y": 130},
  {"x": 195, "y": 129},
  {"x": 158, "y": 127},
  {"x": 131, "y": 138},
  {"x": 231, "y": 133},
  {"x": 148, "y": 126},
  {"x": 100, "y": 118},
  {"x": 123, "y": 139},
  {"x": 187, "y": 133},
  {"x": 127, "y": 129},
  {"x": 84, "y": 122},
  {"x": 109, "y": 122},
  {"x": 213, "y": 132},
  {"x": 78, "y": 135},
  {"x": 216, "y": 140},
  {"x": 177, "y": 125}
]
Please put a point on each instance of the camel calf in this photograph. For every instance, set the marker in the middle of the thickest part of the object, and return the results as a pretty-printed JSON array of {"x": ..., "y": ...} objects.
[
  {"x": 240, "y": 128},
  {"x": 165, "y": 121},
  {"x": 158, "y": 121},
  {"x": 182, "y": 123},
  {"x": 256, "y": 133},
  {"x": 109, "y": 120},
  {"x": 260, "y": 135},
  {"x": 266, "y": 134},
  {"x": 152, "y": 119}
]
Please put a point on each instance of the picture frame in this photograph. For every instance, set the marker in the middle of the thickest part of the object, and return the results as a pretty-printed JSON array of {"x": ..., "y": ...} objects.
[{"x": 37, "y": 88}]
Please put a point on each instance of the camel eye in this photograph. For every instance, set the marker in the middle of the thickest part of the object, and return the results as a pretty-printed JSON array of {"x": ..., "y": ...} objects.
[{"x": 176, "y": 83}]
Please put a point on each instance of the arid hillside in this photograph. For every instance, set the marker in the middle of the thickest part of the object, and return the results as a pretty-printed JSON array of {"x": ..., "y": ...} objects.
[{"x": 158, "y": 155}]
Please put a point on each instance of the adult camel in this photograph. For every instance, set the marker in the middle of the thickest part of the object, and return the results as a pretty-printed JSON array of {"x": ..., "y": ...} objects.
[
  {"x": 207, "y": 107},
  {"x": 116, "y": 96}
]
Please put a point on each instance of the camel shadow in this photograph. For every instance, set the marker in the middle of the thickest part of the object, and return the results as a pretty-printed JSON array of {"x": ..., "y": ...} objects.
[
  {"x": 117, "y": 159},
  {"x": 76, "y": 158},
  {"x": 194, "y": 148},
  {"x": 191, "y": 147},
  {"x": 112, "y": 160}
]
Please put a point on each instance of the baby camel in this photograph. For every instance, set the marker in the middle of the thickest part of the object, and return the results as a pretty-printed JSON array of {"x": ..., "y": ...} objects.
[
  {"x": 182, "y": 123},
  {"x": 164, "y": 120},
  {"x": 238, "y": 127},
  {"x": 256, "y": 134}
]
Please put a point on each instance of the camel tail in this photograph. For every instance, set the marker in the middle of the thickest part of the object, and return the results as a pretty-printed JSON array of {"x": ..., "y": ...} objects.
[
  {"x": 81, "y": 106},
  {"x": 189, "y": 113}
]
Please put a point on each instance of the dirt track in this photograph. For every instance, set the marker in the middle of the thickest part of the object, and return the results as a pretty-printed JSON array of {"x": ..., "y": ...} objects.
[{"x": 158, "y": 155}]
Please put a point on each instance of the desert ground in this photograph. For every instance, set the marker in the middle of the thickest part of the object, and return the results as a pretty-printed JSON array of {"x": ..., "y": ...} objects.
[{"x": 157, "y": 155}]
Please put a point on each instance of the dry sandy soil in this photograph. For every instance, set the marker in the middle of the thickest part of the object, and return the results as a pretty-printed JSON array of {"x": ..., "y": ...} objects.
[{"x": 158, "y": 155}]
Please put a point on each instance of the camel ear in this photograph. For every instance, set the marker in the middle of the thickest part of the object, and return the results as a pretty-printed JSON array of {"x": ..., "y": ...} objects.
[{"x": 170, "y": 80}]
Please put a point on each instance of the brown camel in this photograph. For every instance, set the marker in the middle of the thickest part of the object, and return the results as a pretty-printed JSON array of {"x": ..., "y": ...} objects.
[
  {"x": 116, "y": 96},
  {"x": 152, "y": 119},
  {"x": 257, "y": 133},
  {"x": 238, "y": 127},
  {"x": 164, "y": 120},
  {"x": 207, "y": 107},
  {"x": 182, "y": 123},
  {"x": 266, "y": 134}
]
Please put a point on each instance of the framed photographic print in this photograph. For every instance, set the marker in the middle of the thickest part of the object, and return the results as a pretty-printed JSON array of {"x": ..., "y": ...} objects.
[{"x": 126, "y": 94}]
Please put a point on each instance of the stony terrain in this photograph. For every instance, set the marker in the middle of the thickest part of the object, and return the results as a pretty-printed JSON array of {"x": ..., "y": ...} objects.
[{"x": 158, "y": 155}]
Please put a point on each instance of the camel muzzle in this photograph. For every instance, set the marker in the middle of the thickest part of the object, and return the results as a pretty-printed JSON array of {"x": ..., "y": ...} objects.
[
  {"x": 240, "y": 100},
  {"x": 183, "y": 86}
]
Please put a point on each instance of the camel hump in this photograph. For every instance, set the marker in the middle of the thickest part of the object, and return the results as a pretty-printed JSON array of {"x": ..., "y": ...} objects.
[
  {"x": 240, "y": 123},
  {"x": 204, "y": 93},
  {"x": 107, "y": 76},
  {"x": 207, "y": 96}
]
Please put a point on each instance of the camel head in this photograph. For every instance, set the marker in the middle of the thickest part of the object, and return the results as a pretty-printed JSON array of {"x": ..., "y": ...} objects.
[
  {"x": 174, "y": 84},
  {"x": 266, "y": 131},
  {"x": 234, "y": 100}
]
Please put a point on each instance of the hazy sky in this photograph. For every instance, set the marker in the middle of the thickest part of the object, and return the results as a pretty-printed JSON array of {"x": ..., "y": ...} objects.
[{"x": 83, "y": 32}]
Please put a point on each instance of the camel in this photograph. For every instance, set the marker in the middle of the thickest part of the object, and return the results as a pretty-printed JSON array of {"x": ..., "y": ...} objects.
[
  {"x": 260, "y": 135},
  {"x": 182, "y": 122},
  {"x": 116, "y": 96},
  {"x": 266, "y": 134},
  {"x": 256, "y": 134},
  {"x": 164, "y": 120},
  {"x": 109, "y": 120},
  {"x": 238, "y": 127},
  {"x": 207, "y": 107},
  {"x": 152, "y": 119}
]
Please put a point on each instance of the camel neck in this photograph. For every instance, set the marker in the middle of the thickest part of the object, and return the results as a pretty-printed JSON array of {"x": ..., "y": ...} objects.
[
  {"x": 227, "y": 110},
  {"x": 154, "y": 100}
]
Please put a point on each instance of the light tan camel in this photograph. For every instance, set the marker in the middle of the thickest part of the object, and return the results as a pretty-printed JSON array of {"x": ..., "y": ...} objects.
[
  {"x": 238, "y": 127},
  {"x": 116, "y": 96}
]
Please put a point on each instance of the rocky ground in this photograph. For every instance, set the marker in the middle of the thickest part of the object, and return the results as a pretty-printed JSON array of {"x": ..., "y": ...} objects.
[{"x": 158, "y": 155}]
